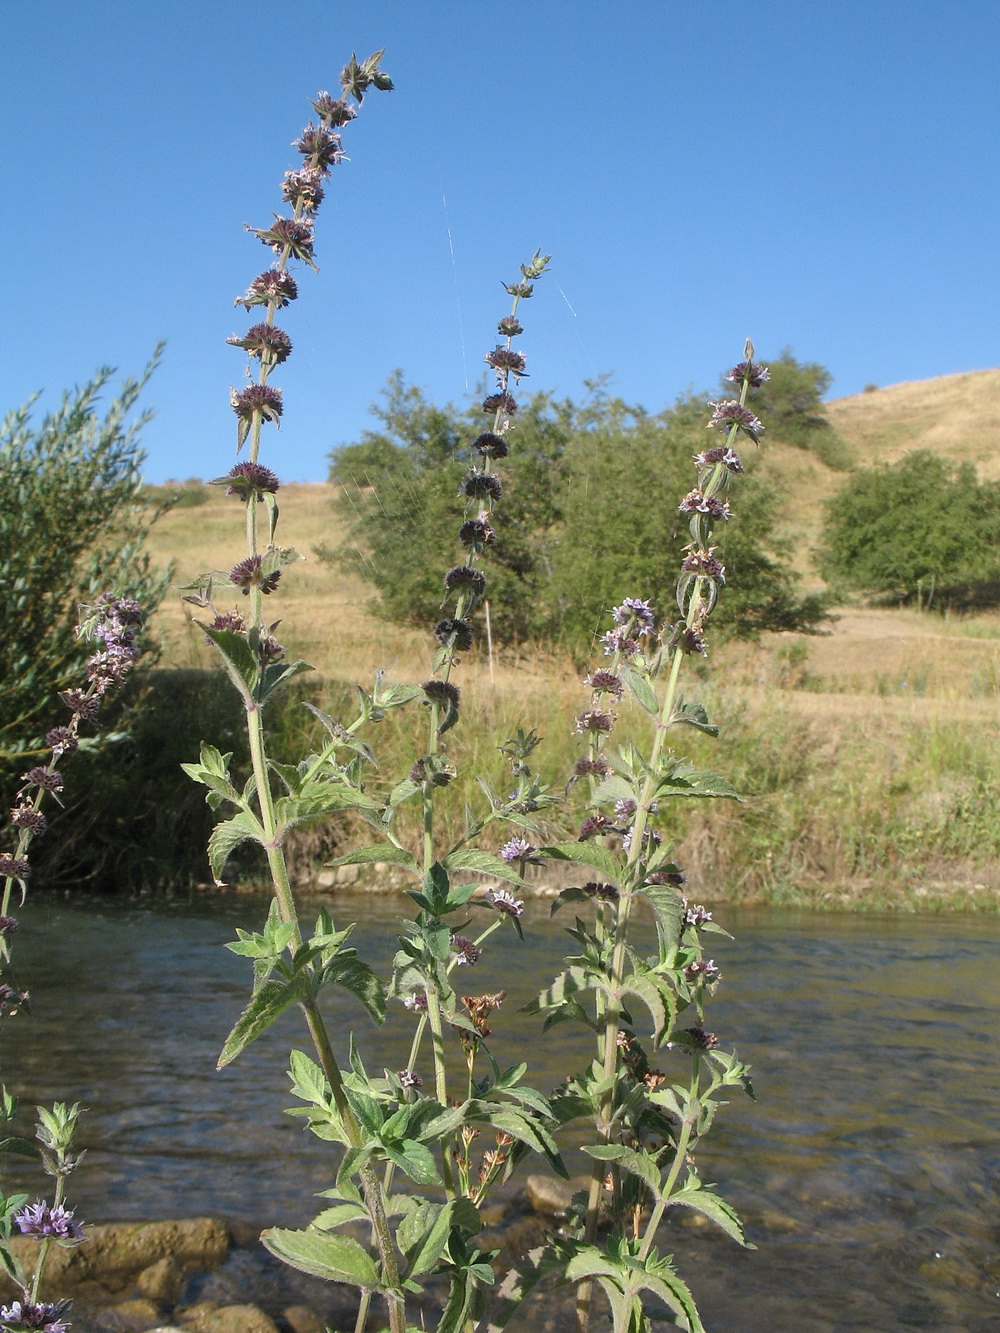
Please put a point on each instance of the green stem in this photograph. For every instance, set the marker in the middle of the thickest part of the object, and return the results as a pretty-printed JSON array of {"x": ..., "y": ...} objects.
[
  {"x": 680, "y": 1153},
  {"x": 46, "y": 1243}
]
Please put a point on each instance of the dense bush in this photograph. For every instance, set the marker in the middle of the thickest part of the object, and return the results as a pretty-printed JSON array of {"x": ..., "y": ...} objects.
[
  {"x": 585, "y": 518},
  {"x": 73, "y": 524},
  {"x": 913, "y": 527}
]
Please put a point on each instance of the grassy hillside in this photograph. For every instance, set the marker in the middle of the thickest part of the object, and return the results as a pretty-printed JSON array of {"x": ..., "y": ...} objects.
[{"x": 871, "y": 754}]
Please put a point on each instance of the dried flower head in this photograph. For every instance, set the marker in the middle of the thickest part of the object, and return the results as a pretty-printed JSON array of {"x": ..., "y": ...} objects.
[
  {"x": 482, "y": 485},
  {"x": 442, "y": 692},
  {"x": 465, "y": 578},
  {"x": 509, "y": 327},
  {"x": 303, "y": 189},
  {"x": 457, "y": 633},
  {"x": 692, "y": 640},
  {"x": 480, "y": 1006},
  {"x": 80, "y": 703},
  {"x": 272, "y": 287},
  {"x": 605, "y": 893},
  {"x": 722, "y": 454},
  {"x": 262, "y": 398},
  {"x": 334, "y": 110},
  {"x": 598, "y": 768},
  {"x": 249, "y": 573},
  {"x": 8, "y": 925},
  {"x": 706, "y": 1040},
  {"x": 231, "y": 620},
  {"x": 46, "y": 778},
  {"x": 500, "y": 402},
  {"x": 593, "y": 826},
  {"x": 416, "y": 1002},
  {"x": 14, "y": 867},
  {"x": 264, "y": 341},
  {"x": 291, "y": 235},
  {"x": 476, "y": 534},
  {"x": 491, "y": 445},
  {"x": 506, "y": 361},
  {"x": 731, "y": 414},
  {"x": 321, "y": 144}
]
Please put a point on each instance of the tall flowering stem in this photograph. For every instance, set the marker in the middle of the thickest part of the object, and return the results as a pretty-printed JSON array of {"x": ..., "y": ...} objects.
[
  {"x": 114, "y": 623},
  {"x": 632, "y": 1102}
]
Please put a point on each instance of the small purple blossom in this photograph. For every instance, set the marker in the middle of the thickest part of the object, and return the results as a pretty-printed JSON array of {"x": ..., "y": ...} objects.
[
  {"x": 691, "y": 640},
  {"x": 706, "y": 1040},
  {"x": 26, "y": 816},
  {"x": 466, "y": 953},
  {"x": 694, "y": 914},
  {"x": 598, "y": 768},
  {"x": 465, "y": 578},
  {"x": 59, "y": 739},
  {"x": 292, "y": 234},
  {"x": 333, "y": 110},
  {"x": 636, "y": 611},
  {"x": 651, "y": 839},
  {"x": 320, "y": 144},
  {"x": 704, "y": 970},
  {"x": 624, "y": 810},
  {"x": 46, "y": 778},
  {"x": 8, "y": 925},
  {"x": 729, "y": 412},
  {"x": 303, "y": 189},
  {"x": 249, "y": 574},
  {"x": 593, "y": 826},
  {"x": 416, "y": 1002},
  {"x": 476, "y": 534},
  {"x": 14, "y": 867},
  {"x": 265, "y": 341},
  {"x": 505, "y": 902},
  {"x": 509, "y": 327},
  {"x": 41, "y": 1221},
  {"x": 249, "y": 481},
  {"x": 491, "y": 445},
  {"x": 519, "y": 849},
  {"x": 260, "y": 398},
  {"x": 705, "y": 564},
  {"x": 231, "y": 620},
  {"x": 722, "y": 454},
  {"x": 35, "y": 1317},
  {"x": 482, "y": 485},
  {"x": 500, "y": 402},
  {"x": 605, "y": 682},
  {"x": 618, "y": 640},
  {"x": 751, "y": 371},
  {"x": 273, "y": 286},
  {"x": 697, "y": 503},
  {"x": 605, "y": 893},
  {"x": 594, "y": 720},
  {"x": 408, "y": 1078},
  {"x": 506, "y": 361},
  {"x": 82, "y": 704}
]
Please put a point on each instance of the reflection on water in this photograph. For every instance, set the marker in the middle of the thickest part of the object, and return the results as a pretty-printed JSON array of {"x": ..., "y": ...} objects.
[{"x": 869, "y": 1169}]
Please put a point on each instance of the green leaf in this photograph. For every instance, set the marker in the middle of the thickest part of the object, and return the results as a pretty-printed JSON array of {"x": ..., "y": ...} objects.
[
  {"x": 693, "y": 715},
  {"x": 614, "y": 788},
  {"x": 268, "y": 1003},
  {"x": 423, "y": 1234},
  {"x": 416, "y": 1160},
  {"x": 271, "y": 505},
  {"x": 711, "y": 1205},
  {"x": 331, "y": 1218},
  {"x": 19, "y": 1147},
  {"x": 241, "y": 664},
  {"x": 638, "y": 1163},
  {"x": 686, "y": 780},
  {"x": 351, "y": 974},
  {"x": 276, "y": 675},
  {"x": 383, "y": 851},
  {"x": 335, "y": 1258},
  {"x": 587, "y": 854},
  {"x": 668, "y": 909},
  {"x": 226, "y": 837},
  {"x": 480, "y": 862},
  {"x": 640, "y": 688}
]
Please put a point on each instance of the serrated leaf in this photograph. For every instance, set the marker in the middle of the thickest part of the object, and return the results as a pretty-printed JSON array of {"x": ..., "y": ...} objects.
[
  {"x": 483, "y": 863},
  {"x": 335, "y": 1258},
  {"x": 668, "y": 909},
  {"x": 712, "y": 1206},
  {"x": 388, "y": 852},
  {"x": 638, "y": 1163},
  {"x": 331, "y": 1218},
  {"x": 241, "y": 664},
  {"x": 416, "y": 1160},
  {"x": 226, "y": 837},
  {"x": 277, "y": 675},
  {"x": 640, "y": 688},
  {"x": 267, "y": 1003},
  {"x": 686, "y": 780},
  {"x": 308, "y": 1080},
  {"x": 586, "y": 854},
  {"x": 351, "y": 974},
  {"x": 694, "y": 715}
]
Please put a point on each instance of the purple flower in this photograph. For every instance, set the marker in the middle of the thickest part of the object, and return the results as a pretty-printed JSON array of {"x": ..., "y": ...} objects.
[
  {"x": 416, "y": 1002},
  {"x": 691, "y": 640},
  {"x": 321, "y": 144},
  {"x": 292, "y": 234},
  {"x": 409, "y": 1079},
  {"x": 734, "y": 416},
  {"x": 46, "y": 778},
  {"x": 605, "y": 682},
  {"x": 333, "y": 110},
  {"x": 256, "y": 398},
  {"x": 598, "y": 768},
  {"x": 249, "y": 481},
  {"x": 519, "y": 849},
  {"x": 696, "y": 503},
  {"x": 482, "y": 485},
  {"x": 704, "y": 970},
  {"x": 507, "y": 361},
  {"x": 264, "y": 341},
  {"x": 231, "y": 620},
  {"x": 500, "y": 402},
  {"x": 274, "y": 286},
  {"x": 505, "y": 902},
  {"x": 34, "y": 1317},
  {"x": 466, "y": 952},
  {"x": 509, "y": 327},
  {"x": 41, "y": 1221},
  {"x": 607, "y": 893},
  {"x": 694, "y": 914},
  {"x": 26, "y": 816},
  {"x": 624, "y": 810},
  {"x": 477, "y": 534},
  {"x": 594, "y": 825},
  {"x": 706, "y": 1040},
  {"x": 269, "y": 649},
  {"x": 618, "y": 640},
  {"x": 751, "y": 371},
  {"x": 10, "y": 1000},
  {"x": 8, "y": 925},
  {"x": 83, "y": 705},
  {"x": 303, "y": 189},
  {"x": 721, "y": 454},
  {"x": 14, "y": 867},
  {"x": 60, "y": 739},
  {"x": 704, "y": 563},
  {"x": 595, "y": 720},
  {"x": 249, "y": 574},
  {"x": 638, "y": 610}
]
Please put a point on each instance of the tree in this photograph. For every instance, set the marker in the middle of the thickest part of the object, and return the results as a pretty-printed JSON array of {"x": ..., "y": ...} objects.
[
  {"x": 72, "y": 525},
  {"x": 912, "y": 526},
  {"x": 589, "y": 516},
  {"x": 790, "y": 403}
]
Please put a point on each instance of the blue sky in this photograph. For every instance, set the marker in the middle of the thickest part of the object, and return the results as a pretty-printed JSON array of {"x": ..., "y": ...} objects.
[{"x": 824, "y": 176}]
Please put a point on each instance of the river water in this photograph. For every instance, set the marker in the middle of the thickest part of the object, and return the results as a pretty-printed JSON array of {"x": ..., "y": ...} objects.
[{"x": 868, "y": 1170}]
